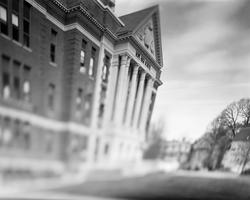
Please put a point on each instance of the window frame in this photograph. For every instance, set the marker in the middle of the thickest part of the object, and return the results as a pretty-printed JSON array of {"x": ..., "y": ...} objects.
[
  {"x": 26, "y": 21},
  {"x": 83, "y": 67},
  {"x": 4, "y": 23}
]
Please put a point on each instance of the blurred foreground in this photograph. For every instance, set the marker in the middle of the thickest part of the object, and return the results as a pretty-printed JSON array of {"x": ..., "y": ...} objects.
[{"x": 152, "y": 185}]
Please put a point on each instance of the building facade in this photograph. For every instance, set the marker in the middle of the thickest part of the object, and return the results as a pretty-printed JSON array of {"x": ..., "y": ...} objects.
[
  {"x": 177, "y": 150},
  {"x": 78, "y": 83},
  {"x": 237, "y": 157}
]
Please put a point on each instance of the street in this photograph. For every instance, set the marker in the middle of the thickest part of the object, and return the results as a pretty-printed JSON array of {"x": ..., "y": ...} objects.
[
  {"x": 167, "y": 186},
  {"x": 158, "y": 185}
]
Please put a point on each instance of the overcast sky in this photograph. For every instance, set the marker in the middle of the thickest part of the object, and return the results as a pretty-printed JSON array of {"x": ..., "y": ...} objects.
[{"x": 206, "y": 49}]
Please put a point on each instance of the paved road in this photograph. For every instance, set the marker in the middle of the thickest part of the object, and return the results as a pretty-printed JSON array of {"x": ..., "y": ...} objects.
[
  {"x": 167, "y": 186},
  {"x": 181, "y": 186}
]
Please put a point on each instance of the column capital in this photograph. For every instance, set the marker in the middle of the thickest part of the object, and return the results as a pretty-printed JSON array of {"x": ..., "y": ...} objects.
[
  {"x": 125, "y": 59},
  {"x": 143, "y": 75},
  {"x": 125, "y": 54},
  {"x": 135, "y": 68},
  {"x": 115, "y": 61}
]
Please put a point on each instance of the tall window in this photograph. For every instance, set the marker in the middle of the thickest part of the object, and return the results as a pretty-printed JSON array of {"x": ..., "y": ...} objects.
[
  {"x": 7, "y": 133},
  {"x": 79, "y": 100},
  {"x": 26, "y": 90},
  {"x": 106, "y": 149},
  {"x": 16, "y": 87},
  {"x": 26, "y": 24},
  {"x": 3, "y": 18},
  {"x": 6, "y": 85},
  {"x": 87, "y": 103},
  {"x": 26, "y": 84},
  {"x": 53, "y": 46},
  {"x": 49, "y": 142},
  {"x": 5, "y": 77},
  {"x": 51, "y": 96},
  {"x": 16, "y": 80},
  {"x": 82, "y": 57},
  {"x": 15, "y": 20},
  {"x": 92, "y": 62},
  {"x": 105, "y": 69},
  {"x": 16, "y": 134},
  {"x": 26, "y": 136}
]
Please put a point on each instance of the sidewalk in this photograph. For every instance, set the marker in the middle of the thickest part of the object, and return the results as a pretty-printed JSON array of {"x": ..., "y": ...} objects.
[
  {"x": 208, "y": 174},
  {"x": 39, "y": 184},
  {"x": 21, "y": 186},
  {"x": 51, "y": 196}
]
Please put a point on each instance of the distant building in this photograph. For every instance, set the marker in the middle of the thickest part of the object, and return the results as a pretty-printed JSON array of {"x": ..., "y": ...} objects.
[
  {"x": 237, "y": 158},
  {"x": 78, "y": 83},
  {"x": 199, "y": 154},
  {"x": 177, "y": 150}
]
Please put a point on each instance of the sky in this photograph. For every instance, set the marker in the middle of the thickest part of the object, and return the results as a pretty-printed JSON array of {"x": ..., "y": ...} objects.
[{"x": 206, "y": 55}]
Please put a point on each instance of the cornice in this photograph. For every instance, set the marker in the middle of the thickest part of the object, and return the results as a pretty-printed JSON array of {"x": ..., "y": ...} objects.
[
  {"x": 88, "y": 15},
  {"x": 106, "y": 8}
]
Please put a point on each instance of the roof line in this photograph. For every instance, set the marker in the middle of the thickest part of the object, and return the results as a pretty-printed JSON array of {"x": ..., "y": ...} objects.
[
  {"x": 111, "y": 12},
  {"x": 156, "y": 5}
]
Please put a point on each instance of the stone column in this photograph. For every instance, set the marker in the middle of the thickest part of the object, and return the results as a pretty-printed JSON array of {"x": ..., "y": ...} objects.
[
  {"x": 146, "y": 104},
  {"x": 110, "y": 97},
  {"x": 97, "y": 92},
  {"x": 121, "y": 89},
  {"x": 139, "y": 99},
  {"x": 131, "y": 99}
]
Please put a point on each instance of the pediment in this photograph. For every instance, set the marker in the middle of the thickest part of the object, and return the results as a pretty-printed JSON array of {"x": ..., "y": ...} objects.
[{"x": 145, "y": 35}]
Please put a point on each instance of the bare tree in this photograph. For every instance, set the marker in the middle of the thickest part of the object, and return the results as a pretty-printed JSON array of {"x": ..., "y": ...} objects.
[
  {"x": 230, "y": 117},
  {"x": 157, "y": 130},
  {"x": 244, "y": 105}
]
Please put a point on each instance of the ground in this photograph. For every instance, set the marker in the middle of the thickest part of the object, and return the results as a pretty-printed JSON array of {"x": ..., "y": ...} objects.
[
  {"x": 162, "y": 185},
  {"x": 168, "y": 186}
]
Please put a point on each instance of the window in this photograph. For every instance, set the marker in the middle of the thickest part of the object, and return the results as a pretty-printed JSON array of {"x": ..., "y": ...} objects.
[
  {"x": 87, "y": 102},
  {"x": 51, "y": 96},
  {"x": 26, "y": 24},
  {"x": 15, "y": 25},
  {"x": 105, "y": 69},
  {"x": 6, "y": 85},
  {"x": 52, "y": 53},
  {"x": 3, "y": 14},
  {"x": 104, "y": 73},
  {"x": 48, "y": 142},
  {"x": 16, "y": 80},
  {"x": 16, "y": 133},
  {"x": 16, "y": 88},
  {"x": 15, "y": 20},
  {"x": 79, "y": 100},
  {"x": 26, "y": 90},
  {"x": 82, "y": 57},
  {"x": 26, "y": 136},
  {"x": 15, "y": 5},
  {"x": 53, "y": 46},
  {"x": 3, "y": 20},
  {"x": 106, "y": 149},
  {"x": 92, "y": 61},
  {"x": 6, "y": 134},
  {"x": 26, "y": 87}
]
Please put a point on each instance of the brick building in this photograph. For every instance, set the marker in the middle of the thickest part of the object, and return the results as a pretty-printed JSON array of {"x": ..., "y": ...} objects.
[{"x": 77, "y": 82}]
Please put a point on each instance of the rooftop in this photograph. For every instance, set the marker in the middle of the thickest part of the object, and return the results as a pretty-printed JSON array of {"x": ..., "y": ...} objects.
[{"x": 132, "y": 20}]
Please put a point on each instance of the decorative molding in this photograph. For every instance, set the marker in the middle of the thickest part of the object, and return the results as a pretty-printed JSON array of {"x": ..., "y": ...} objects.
[
  {"x": 83, "y": 31},
  {"x": 74, "y": 25},
  {"x": 146, "y": 37},
  {"x": 43, "y": 122},
  {"x": 111, "y": 12}
]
